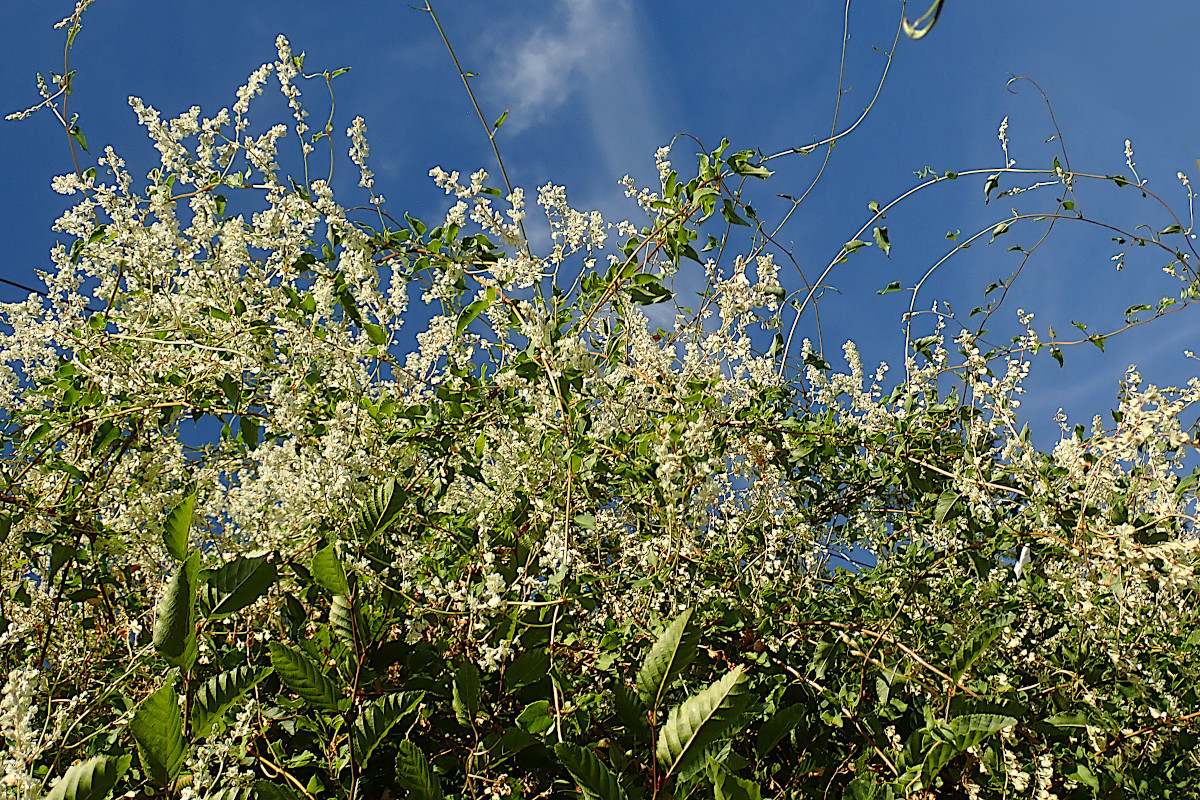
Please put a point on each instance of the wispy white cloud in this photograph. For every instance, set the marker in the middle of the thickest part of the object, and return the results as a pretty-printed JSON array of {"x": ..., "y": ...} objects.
[{"x": 585, "y": 58}]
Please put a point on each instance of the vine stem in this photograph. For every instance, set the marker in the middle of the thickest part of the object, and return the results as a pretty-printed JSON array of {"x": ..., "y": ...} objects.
[{"x": 490, "y": 130}]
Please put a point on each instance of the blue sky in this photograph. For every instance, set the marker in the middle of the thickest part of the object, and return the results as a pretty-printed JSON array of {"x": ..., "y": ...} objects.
[{"x": 594, "y": 86}]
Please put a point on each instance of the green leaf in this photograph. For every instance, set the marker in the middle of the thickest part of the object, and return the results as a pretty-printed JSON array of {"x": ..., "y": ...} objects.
[
  {"x": 328, "y": 572},
  {"x": 969, "y": 652},
  {"x": 780, "y": 725},
  {"x": 218, "y": 694},
  {"x": 968, "y": 731},
  {"x": 894, "y": 286},
  {"x": 649, "y": 293},
  {"x": 676, "y": 647},
  {"x": 158, "y": 728},
  {"x": 1068, "y": 720},
  {"x": 375, "y": 334},
  {"x": 993, "y": 182},
  {"x": 536, "y": 717},
  {"x": 945, "y": 508},
  {"x": 176, "y": 527},
  {"x": 90, "y": 780},
  {"x": 470, "y": 313},
  {"x": 1085, "y": 776},
  {"x": 854, "y": 245},
  {"x": 727, "y": 786},
  {"x": 729, "y": 212},
  {"x": 861, "y": 788},
  {"x": 239, "y": 583},
  {"x": 466, "y": 693},
  {"x": 379, "y": 509},
  {"x": 174, "y": 625},
  {"x": 530, "y": 667},
  {"x": 700, "y": 720},
  {"x": 496, "y": 125},
  {"x": 249, "y": 428},
  {"x": 630, "y": 710},
  {"x": 589, "y": 772},
  {"x": 378, "y": 717},
  {"x": 414, "y": 773},
  {"x": 78, "y": 136},
  {"x": 304, "y": 678},
  {"x": 881, "y": 239},
  {"x": 347, "y": 622}
]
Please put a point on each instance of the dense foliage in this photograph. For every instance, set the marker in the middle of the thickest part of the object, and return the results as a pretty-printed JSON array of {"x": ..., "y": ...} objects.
[{"x": 261, "y": 541}]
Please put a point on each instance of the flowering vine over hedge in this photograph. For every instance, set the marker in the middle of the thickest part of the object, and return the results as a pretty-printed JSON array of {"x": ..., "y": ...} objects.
[{"x": 540, "y": 544}]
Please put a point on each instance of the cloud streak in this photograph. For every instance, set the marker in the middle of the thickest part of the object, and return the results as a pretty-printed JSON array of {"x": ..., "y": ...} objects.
[{"x": 585, "y": 59}]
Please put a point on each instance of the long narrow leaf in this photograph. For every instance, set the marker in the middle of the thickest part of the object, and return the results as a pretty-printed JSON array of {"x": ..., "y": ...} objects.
[
  {"x": 467, "y": 692},
  {"x": 218, "y": 694},
  {"x": 969, "y": 652},
  {"x": 90, "y": 780},
  {"x": 328, "y": 572},
  {"x": 676, "y": 647},
  {"x": 778, "y": 726},
  {"x": 347, "y": 623},
  {"x": 414, "y": 773},
  {"x": 176, "y": 527},
  {"x": 701, "y": 720},
  {"x": 377, "y": 718},
  {"x": 379, "y": 510},
  {"x": 174, "y": 626},
  {"x": 304, "y": 678},
  {"x": 157, "y": 726},
  {"x": 239, "y": 583},
  {"x": 589, "y": 772}
]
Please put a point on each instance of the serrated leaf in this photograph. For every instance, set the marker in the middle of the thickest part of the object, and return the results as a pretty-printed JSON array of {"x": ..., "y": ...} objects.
[
  {"x": 414, "y": 773},
  {"x": 589, "y": 772},
  {"x": 971, "y": 649},
  {"x": 530, "y": 667},
  {"x": 218, "y": 694},
  {"x": 328, "y": 572},
  {"x": 778, "y": 726},
  {"x": 968, "y": 731},
  {"x": 630, "y": 710},
  {"x": 93, "y": 779},
  {"x": 304, "y": 678},
  {"x": 176, "y": 527},
  {"x": 700, "y": 720},
  {"x": 675, "y": 648},
  {"x": 174, "y": 626},
  {"x": 379, "y": 510},
  {"x": 157, "y": 726},
  {"x": 466, "y": 693},
  {"x": 378, "y": 717},
  {"x": 239, "y": 583},
  {"x": 347, "y": 623}
]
